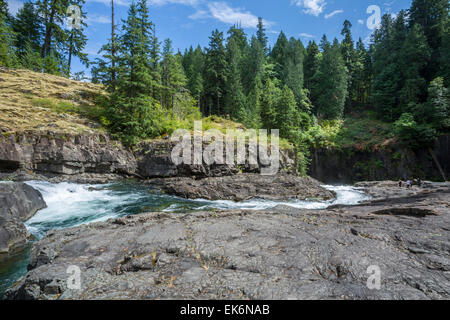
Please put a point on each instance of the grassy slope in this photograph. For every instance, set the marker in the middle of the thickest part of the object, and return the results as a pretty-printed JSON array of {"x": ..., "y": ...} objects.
[{"x": 31, "y": 101}]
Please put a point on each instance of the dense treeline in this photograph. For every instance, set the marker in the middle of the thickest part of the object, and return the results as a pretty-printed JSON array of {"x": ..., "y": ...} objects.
[{"x": 402, "y": 77}]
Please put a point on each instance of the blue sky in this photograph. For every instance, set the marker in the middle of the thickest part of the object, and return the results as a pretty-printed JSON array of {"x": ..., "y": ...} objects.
[{"x": 190, "y": 22}]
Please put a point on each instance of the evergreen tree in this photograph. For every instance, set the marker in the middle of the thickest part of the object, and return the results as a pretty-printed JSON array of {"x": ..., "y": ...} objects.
[
  {"x": 294, "y": 69},
  {"x": 53, "y": 13},
  {"x": 414, "y": 57},
  {"x": 269, "y": 100},
  {"x": 331, "y": 82},
  {"x": 173, "y": 76},
  {"x": 28, "y": 30},
  {"x": 234, "y": 98},
  {"x": 131, "y": 109},
  {"x": 215, "y": 75},
  {"x": 362, "y": 74},
  {"x": 31, "y": 58},
  {"x": 311, "y": 66},
  {"x": 105, "y": 69},
  {"x": 76, "y": 39},
  {"x": 437, "y": 108},
  {"x": 387, "y": 73},
  {"x": 445, "y": 55},
  {"x": 193, "y": 63},
  {"x": 261, "y": 35},
  {"x": 350, "y": 60},
  {"x": 431, "y": 15}
]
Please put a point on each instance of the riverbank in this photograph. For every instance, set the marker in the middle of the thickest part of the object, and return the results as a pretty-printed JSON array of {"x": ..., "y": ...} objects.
[{"x": 278, "y": 253}]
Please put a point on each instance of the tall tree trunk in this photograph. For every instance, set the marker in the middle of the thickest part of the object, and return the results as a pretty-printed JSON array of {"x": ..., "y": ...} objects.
[
  {"x": 70, "y": 52},
  {"x": 113, "y": 47},
  {"x": 48, "y": 32}
]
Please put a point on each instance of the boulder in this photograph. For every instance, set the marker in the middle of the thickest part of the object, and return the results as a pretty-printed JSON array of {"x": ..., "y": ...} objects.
[
  {"x": 18, "y": 203},
  {"x": 245, "y": 187}
]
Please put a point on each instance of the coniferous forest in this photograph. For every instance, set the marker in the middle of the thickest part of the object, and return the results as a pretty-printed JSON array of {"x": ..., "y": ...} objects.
[{"x": 401, "y": 78}]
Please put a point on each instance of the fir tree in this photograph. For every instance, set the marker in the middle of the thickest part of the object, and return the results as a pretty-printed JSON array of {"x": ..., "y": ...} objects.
[
  {"x": 331, "y": 82},
  {"x": 215, "y": 75}
]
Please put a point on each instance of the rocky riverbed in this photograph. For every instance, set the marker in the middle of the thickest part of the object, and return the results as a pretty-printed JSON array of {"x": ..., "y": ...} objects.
[{"x": 279, "y": 253}]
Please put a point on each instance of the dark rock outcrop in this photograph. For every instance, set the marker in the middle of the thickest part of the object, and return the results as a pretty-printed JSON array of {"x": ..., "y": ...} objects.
[
  {"x": 246, "y": 186},
  {"x": 154, "y": 161},
  {"x": 282, "y": 253},
  {"x": 388, "y": 163},
  {"x": 53, "y": 155},
  {"x": 65, "y": 154},
  {"x": 18, "y": 203}
]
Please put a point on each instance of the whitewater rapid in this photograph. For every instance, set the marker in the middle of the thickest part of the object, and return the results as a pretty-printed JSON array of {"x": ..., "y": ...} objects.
[{"x": 70, "y": 204}]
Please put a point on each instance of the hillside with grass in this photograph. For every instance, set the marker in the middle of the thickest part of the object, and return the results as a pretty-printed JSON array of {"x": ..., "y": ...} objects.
[{"x": 38, "y": 102}]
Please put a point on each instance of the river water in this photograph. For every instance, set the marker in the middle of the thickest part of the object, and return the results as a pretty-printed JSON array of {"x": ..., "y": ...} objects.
[{"x": 70, "y": 205}]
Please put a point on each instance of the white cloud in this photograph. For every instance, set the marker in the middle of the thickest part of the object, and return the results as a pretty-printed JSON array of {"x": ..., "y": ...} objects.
[
  {"x": 14, "y": 6},
  {"x": 223, "y": 12},
  {"x": 306, "y": 35},
  {"x": 116, "y": 2},
  {"x": 312, "y": 7},
  {"x": 98, "y": 18},
  {"x": 164, "y": 2},
  {"x": 200, "y": 14},
  {"x": 361, "y": 21},
  {"x": 332, "y": 14}
]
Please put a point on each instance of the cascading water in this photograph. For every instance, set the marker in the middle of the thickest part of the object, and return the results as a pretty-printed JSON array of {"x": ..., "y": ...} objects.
[{"x": 70, "y": 204}]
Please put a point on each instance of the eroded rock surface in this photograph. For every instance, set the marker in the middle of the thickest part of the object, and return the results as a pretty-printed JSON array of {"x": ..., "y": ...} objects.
[
  {"x": 391, "y": 189},
  {"x": 246, "y": 186},
  {"x": 18, "y": 203},
  {"x": 282, "y": 253}
]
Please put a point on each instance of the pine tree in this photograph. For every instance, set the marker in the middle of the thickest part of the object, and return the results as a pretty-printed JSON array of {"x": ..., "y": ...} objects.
[
  {"x": 310, "y": 67},
  {"x": 193, "y": 63},
  {"x": 445, "y": 55},
  {"x": 28, "y": 30},
  {"x": 362, "y": 74},
  {"x": 105, "y": 69},
  {"x": 350, "y": 60},
  {"x": 53, "y": 13},
  {"x": 432, "y": 16},
  {"x": 269, "y": 100},
  {"x": 414, "y": 57},
  {"x": 331, "y": 82},
  {"x": 437, "y": 108},
  {"x": 131, "y": 109},
  {"x": 173, "y": 76},
  {"x": 294, "y": 69},
  {"x": 234, "y": 98},
  {"x": 387, "y": 73},
  {"x": 76, "y": 39},
  {"x": 215, "y": 75},
  {"x": 261, "y": 35}
]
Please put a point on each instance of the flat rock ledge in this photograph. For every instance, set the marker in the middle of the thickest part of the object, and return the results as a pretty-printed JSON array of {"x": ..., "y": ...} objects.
[
  {"x": 245, "y": 187},
  {"x": 282, "y": 253},
  {"x": 18, "y": 203}
]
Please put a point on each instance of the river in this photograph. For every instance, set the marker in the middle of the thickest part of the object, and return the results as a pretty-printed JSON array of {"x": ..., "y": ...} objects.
[{"x": 70, "y": 205}]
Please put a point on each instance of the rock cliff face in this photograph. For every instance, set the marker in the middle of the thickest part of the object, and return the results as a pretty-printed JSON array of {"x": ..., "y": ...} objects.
[
  {"x": 65, "y": 154},
  {"x": 154, "y": 161},
  {"x": 18, "y": 203},
  {"x": 281, "y": 253},
  {"x": 55, "y": 154},
  {"x": 392, "y": 163}
]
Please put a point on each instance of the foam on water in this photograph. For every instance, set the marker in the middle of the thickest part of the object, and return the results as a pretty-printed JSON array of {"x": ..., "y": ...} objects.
[{"x": 70, "y": 204}]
